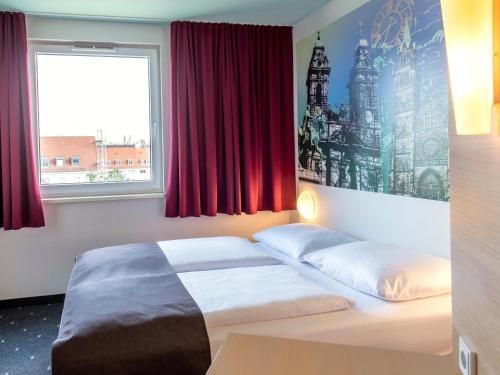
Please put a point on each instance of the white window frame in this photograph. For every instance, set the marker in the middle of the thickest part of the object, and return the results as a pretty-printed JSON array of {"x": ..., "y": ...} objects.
[
  {"x": 61, "y": 159},
  {"x": 108, "y": 189},
  {"x": 73, "y": 158}
]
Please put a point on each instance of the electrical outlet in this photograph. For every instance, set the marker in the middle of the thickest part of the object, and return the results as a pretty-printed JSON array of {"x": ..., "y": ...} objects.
[{"x": 467, "y": 359}]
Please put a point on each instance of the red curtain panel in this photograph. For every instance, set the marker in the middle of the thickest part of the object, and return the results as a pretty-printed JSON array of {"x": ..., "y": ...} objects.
[
  {"x": 232, "y": 125},
  {"x": 20, "y": 203}
]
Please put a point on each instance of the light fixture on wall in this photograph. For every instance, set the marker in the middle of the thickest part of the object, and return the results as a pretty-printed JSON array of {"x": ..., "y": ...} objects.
[
  {"x": 468, "y": 27},
  {"x": 305, "y": 206},
  {"x": 496, "y": 62}
]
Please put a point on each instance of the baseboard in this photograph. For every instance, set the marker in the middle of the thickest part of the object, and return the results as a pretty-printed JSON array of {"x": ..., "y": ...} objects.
[{"x": 29, "y": 301}]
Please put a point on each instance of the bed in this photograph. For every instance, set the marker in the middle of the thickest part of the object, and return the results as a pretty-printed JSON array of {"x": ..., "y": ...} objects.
[
  {"x": 224, "y": 285},
  {"x": 212, "y": 253},
  {"x": 422, "y": 325}
]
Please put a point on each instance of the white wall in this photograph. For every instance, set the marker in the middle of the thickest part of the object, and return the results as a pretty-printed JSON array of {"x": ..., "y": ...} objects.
[
  {"x": 37, "y": 262},
  {"x": 416, "y": 223}
]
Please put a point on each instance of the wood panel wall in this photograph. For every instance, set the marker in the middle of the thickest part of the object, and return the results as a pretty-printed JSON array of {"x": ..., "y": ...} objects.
[
  {"x": 475, "y": 235},
  {"x": 475, "y": 245}
]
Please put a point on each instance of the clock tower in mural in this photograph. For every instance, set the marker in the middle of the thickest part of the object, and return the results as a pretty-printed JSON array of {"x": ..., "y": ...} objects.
[{"x": 365, "y": 116}]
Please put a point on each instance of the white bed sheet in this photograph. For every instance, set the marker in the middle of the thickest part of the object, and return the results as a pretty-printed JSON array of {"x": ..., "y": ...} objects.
[
  {"x": 253, "y": 294},
  {"x": 211, "y": 253},
  {"x": 422, "y": 325}
]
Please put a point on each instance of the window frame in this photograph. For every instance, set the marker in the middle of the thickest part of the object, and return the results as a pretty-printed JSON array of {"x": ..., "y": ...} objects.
[
  {"x": 100, "y": 189},
  {"x": 59, "y": 159},
  {"x": 73, "y": 164},
  {"x": 42, "y": 160}
]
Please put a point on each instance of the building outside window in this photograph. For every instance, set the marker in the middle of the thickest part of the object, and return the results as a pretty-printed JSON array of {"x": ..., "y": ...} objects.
[
  {"x": 95, "y": 103},
  {"x": 75, "y": 161}
]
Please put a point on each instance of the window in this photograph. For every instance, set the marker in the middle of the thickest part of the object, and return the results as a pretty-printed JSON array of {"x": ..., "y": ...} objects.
[
  {"x": 102, "y": 103},
  {"x": 45, "y": 162},
  {"x": 60, "y": 162}
]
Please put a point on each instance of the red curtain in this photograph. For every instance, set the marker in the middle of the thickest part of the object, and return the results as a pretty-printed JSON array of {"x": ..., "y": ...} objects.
[
  {"x": 20, "y": 202},
  {"x": 231, "y": 126}
]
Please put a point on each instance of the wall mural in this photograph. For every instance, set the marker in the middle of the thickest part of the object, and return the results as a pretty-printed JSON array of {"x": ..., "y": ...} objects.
[{"x": 373, "y": 101}]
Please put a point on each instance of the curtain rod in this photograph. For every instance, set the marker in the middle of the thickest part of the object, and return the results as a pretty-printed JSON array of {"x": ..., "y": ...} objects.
[{"x": 91, "y": 17}]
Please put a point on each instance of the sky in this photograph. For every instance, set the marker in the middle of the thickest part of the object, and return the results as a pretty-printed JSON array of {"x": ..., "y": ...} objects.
[{"x": 77, "y": 95}]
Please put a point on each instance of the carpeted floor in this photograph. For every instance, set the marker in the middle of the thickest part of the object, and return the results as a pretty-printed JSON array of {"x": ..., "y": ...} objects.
[{"x": 26, "y": 336}]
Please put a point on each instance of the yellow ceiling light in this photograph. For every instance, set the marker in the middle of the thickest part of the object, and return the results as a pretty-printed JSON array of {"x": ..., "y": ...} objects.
[
  {"x": 468, "y": 27},
  {"x": 305, "y": 206}
]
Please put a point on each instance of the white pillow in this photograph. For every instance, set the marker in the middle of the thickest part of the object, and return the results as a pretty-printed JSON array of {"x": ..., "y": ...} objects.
[
  {"x": 296, "y": 240},
  {"x": 385, "y": 271}
]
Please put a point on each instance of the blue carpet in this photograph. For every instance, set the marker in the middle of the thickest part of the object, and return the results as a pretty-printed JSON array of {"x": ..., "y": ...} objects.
[{"x": 26, "y": 336}]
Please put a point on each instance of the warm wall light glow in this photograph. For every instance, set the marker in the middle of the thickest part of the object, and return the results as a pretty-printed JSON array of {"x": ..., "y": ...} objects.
[
  {"x": 468, "y": 27},
  {"x": 496, "y": 25},
  {"x": 305, "y": 205}
]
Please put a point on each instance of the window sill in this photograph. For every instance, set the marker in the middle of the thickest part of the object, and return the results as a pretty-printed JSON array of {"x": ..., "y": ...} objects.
[{"x": 100, "y": 198}]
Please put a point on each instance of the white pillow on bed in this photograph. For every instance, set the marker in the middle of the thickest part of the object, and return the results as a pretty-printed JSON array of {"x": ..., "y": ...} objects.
[
  {"x": 297, "y": 240},
  {"x": 385, "y": 271}
]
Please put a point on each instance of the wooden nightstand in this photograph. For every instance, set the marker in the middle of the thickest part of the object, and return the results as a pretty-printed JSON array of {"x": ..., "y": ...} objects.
[{"x": 260, "y": 355}]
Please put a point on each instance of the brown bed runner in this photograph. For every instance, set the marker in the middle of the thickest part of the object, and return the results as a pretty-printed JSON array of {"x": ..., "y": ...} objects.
[{"x": 127, "y": 312}]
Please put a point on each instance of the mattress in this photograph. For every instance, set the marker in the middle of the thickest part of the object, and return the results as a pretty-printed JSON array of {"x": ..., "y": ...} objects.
[
  {"x": 211, "y": 253},
  {"x": 250, "y": 294},
  {"x": 422, "y": 325}
]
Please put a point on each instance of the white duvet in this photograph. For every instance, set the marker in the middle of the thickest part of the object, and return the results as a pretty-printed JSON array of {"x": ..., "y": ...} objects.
[
  {"x": 255, "y": 294},
  {"x": 211, "y": 253}
]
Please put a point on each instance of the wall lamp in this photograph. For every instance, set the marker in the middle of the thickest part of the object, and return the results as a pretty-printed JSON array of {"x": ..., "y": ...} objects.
[
  {"x": 472, "y": 35},
  {"x": 305, "y": 206}
]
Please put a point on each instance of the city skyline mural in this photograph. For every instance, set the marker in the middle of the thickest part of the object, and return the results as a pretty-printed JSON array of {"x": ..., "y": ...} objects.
[{"x": 373, "y": 101}]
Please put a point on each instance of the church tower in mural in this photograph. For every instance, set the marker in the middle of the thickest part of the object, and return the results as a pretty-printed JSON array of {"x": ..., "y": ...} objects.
[
  {"x": 404, "y": 81},
  {"x": 341, "y": 148},
  {"x": 431, "y": 124},
  {"x": 364, "y": 114},
  {"x": 318, "y": 77},
  {"x": 314, "y": 123}
]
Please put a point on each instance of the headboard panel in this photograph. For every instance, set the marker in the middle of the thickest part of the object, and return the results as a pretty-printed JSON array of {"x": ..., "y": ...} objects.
[{"x": 418, "y": 224}]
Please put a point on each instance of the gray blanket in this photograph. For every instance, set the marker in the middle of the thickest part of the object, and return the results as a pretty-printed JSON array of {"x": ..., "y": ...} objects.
[{"x": 127, "y": 312}]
